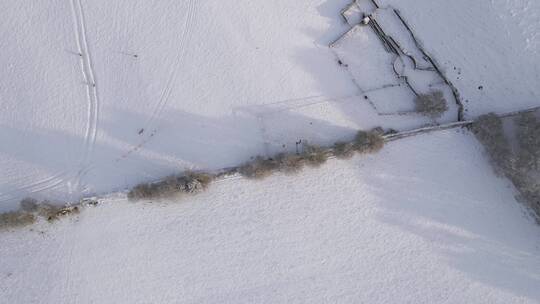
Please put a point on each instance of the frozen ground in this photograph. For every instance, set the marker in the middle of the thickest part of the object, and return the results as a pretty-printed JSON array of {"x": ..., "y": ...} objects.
[{"x": 423, "y": 221}]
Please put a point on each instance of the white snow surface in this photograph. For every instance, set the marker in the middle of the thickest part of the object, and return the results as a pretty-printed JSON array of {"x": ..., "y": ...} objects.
[
  {"x": 178, "y": 85},
  {"x": 489, "y": 49},
  {"x": 423, "y": 221},
  {"x": 99, "y": 95}
]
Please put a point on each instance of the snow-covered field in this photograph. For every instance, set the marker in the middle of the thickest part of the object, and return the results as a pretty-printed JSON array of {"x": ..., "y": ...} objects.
[
  {"x": 489, "y": 49},
  {"x": 212, "y": 83},
  {"x": 423, "y": 221},
  {"x": 99, "y": 95}
]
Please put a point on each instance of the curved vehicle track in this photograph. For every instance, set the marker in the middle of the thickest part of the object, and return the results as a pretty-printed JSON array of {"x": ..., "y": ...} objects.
[
  {"x": 87, "y": 70},
  {"x": 150, "y": 123}
]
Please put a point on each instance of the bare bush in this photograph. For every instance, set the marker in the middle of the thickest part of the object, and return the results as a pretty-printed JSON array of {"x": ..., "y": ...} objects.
[
  {"x": 368, "y": 142},
  {"x": 315, "y": 156},
  {"x": 344, "y": 150},
  {"x": 30, "y": 211},
  {"x": 204, "y": 178},
  {"x": 290, "y": 162},
  {"x": 141, "y": 191},
  {"x": 48, "y": 211},
  {"x": 172, "y": 186},
  {"x": 52, "y": 212},
  {"x": 16, "y": 219},
  {"x": 258, "y": 168},
  {"x": 192, "y": 186},
  {"x": 432, "y": 104}
]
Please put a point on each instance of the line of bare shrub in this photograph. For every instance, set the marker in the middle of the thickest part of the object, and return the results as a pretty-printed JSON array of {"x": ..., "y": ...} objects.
[
  {"x": 191, "y": 183},
  {"x": 520, "y": 164},
  {"x": 313, "y": 156},
  {"x": 172, "y": 186},
  {"x": 30, "y": 211}
]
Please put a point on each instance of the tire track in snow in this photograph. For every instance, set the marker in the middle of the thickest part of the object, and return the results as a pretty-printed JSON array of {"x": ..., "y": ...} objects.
[
  {"x": 92, "y": 95},
  {"x": 295, "y": 104},
  {"x": 45, "y": 184},
  {"x": 53, "y": 181},
  {"x": 167, "y": 91}
]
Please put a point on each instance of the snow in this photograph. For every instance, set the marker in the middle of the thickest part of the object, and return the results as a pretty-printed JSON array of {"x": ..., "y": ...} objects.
[
  {"x": 483, "y": 43},
  {"x": 389, "y": 68},
  {"x": 97, "y": 96},
  {"x": 194, "y": 84},
  {"x": 420, "y": 222},
  {"x": 177, "y": 105}
]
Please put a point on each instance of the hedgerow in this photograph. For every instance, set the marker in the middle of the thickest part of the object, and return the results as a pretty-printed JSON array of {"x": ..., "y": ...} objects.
[{"x": 191, "y": 183}]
